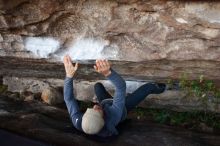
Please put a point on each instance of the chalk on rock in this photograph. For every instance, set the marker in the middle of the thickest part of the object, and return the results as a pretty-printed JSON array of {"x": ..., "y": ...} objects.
[{"x": 42, "y": 46}]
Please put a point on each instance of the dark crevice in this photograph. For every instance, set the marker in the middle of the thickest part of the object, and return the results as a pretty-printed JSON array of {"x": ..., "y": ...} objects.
[{"x": 1, "y": 80}]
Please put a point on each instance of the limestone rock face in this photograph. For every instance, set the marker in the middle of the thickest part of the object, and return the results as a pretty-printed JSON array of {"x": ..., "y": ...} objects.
[
  {"x": 145, "y": 40},
  {"x": 186, "y": 38}
]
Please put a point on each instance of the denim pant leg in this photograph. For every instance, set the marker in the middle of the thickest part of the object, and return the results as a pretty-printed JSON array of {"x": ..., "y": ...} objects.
[
  {"x": 133, "y": 99},
  {"x": 101, "y": 92}
]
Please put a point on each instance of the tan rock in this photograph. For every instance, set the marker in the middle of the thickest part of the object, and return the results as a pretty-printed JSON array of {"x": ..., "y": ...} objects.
[
  {"x": 27, "y": 13},
  {"x": 12, "y": 38},
  {"x": 6, "y": 46},
  {"x": 3, "y": 23},
  {"x": 26, "y": 96},
  {"x": 52, "y": 96},
  {"x": 29, "y": 98},
  {"x": 17, "y": 46},
  {"x": 1, "y": 38},
  {"x": 67, "y": 26}
]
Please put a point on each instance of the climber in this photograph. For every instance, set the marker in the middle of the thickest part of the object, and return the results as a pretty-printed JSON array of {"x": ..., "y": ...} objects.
[{"x": 102, "y": 119}]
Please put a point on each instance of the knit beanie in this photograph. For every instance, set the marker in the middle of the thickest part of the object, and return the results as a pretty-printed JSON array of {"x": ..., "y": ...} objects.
[{"x": 92, "y": 121}]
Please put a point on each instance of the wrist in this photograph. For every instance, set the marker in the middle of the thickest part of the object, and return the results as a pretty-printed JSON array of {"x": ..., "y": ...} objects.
[
  {"x": 69, "y": 75},
  {"x": 107, "y": 73}
]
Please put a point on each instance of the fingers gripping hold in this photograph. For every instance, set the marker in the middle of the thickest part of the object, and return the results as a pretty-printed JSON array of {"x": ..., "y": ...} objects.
[{"x": 103, "y": 67}]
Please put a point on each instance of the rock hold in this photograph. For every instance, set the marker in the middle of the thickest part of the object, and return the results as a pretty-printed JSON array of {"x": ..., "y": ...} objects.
[{"x": 52, "y": 96}]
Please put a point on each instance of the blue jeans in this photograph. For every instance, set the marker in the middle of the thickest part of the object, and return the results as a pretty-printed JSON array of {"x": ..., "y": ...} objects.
[{"x": 133, "y": 99}]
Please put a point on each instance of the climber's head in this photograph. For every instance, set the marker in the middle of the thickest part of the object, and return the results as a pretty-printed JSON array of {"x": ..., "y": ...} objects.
[{"x": 92, "y": 120}]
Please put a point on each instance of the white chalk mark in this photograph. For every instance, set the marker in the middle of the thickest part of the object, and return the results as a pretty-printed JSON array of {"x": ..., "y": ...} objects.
[
  {"x": 181, "y": 20},
  {"x": 80, "y": 49},
  {"x": 90, "y": 49},
  {"x": 42, "y": 46}
]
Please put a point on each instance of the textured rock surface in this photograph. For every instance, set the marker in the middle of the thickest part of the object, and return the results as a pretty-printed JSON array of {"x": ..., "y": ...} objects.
[
  {"x": 166, "y": 33},
  {"x": 52, "y": 96},
  {"x": 146, "y": 40},
  {"x": 53, "y": 126}
]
